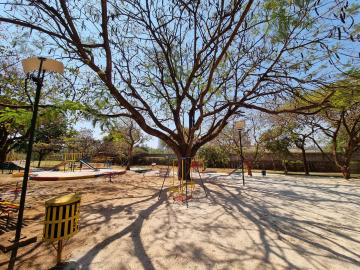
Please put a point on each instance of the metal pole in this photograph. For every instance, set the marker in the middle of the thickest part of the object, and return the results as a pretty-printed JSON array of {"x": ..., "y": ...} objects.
[
  {"x": 186, "y": 183},
  {"x": 242, "y": 159},
  {"x": 167, "y": 171},
  {"x": 59, "y": 252},
  {"x": 38, "y": 81},
  {"x": 162, "y": 186},
  {"x": 188, "y": 166}
]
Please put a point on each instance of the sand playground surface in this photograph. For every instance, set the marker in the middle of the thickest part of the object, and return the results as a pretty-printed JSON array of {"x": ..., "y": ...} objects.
[{"x": 273, "y": 222}]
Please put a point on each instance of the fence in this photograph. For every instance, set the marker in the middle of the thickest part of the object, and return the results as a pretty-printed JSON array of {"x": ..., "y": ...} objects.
[{"x": 317, "y": 162}]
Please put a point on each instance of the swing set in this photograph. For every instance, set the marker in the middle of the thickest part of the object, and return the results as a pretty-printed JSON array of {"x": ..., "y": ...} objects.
[{"x": 183, "y": 190}]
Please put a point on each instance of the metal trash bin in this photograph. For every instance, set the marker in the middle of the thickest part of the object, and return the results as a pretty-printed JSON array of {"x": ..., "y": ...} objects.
[
  {"x": 61, "y": 217},
  {"x": 61, "y": 220}
]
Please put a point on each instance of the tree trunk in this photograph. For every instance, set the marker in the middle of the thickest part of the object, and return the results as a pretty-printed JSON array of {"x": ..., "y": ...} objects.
[
  {"x": 344, "y": 165},
  {"x": 345, "y": 168},
  {"x": 129, "y": 160},
  {"x": 346, "y": 172},
  {"x": 306, "y": 167},
  {"x": 184, "y": 155},
  {"x": 41, "y": 156},
  {"x": 3, "y": 152},
  {"x": 3, "y": 155},
  {"x": 273, "y": 163},
  {"x": 184, "y": 168},
  {"x": 284, "y": 162}
]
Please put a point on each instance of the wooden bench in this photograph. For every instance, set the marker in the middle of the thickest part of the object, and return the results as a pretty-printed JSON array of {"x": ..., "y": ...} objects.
[{"x": 7, "y": 241}]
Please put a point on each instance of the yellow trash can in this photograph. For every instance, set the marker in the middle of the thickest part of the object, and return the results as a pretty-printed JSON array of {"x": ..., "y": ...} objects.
[{"x": 61, "y": 217}]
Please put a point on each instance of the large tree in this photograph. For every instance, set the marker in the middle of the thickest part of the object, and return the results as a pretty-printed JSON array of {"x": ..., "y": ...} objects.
[
  {"x": 340, "y": 122},
  {"x": 164, "y": 62}
]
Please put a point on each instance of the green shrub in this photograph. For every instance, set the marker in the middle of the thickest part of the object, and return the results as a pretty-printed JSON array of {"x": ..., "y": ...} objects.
[{"x": 214, "y": 156}]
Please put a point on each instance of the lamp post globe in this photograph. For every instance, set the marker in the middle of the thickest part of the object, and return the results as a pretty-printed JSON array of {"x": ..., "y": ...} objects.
[{"x": 32, "y": 64}]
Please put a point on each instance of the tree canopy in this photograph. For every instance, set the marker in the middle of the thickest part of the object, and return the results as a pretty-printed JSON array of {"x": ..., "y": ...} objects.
[{"x": 177, "y": 65}]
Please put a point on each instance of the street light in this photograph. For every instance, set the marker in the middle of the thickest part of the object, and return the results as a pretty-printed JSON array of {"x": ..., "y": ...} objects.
[
  {"x": 42, "y": 64},
  {"x": 39, "y": 65},
  {"x": 240, "y": 125}
]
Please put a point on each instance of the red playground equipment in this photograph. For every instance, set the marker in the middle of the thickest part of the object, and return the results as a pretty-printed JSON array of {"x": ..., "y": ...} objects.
[{"x": 183, "y": 191}]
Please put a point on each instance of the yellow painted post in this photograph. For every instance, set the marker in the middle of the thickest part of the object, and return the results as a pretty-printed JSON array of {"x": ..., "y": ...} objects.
[{"x": 59, "y": 251}]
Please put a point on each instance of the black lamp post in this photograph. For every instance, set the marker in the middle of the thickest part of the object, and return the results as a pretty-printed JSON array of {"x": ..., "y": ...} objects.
[
  {"x": 41, "y": 65},
  {"x": 240, "y": 126}
]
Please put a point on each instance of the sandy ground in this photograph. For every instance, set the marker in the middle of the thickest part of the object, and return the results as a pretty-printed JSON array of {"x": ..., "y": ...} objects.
[{"x": 273, "y": 222}]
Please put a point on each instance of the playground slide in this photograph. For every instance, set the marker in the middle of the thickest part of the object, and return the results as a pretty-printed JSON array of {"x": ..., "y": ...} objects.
[
  {"x": 88, "y": 165},
  {"x": 57, "y": 166}
]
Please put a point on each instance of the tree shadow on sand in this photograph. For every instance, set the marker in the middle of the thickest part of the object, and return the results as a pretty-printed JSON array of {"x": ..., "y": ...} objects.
[
  {"x": 308, "y": 237},
  {"x": 271, "y": 208},
  {"x": 134, "y": 229}
]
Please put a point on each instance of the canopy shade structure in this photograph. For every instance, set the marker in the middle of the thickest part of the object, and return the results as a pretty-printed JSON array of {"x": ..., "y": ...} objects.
[
  {"x": 33, "y": 64},
  {"x": 239, "y": 125}
]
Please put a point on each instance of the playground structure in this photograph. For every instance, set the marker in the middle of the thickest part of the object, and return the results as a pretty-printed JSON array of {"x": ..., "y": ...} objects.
[
  {"x": 71, "y": 162},
  {"x": 67, "y": 161},
  {"x": 183, "y": 190},
  {"x": 73, "y": 175},
  {"x": 68, "y": 166}
]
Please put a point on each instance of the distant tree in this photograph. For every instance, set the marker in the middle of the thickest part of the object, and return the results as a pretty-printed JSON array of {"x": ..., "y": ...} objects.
[
  {"x": 128, "y": 134},
  {"x": 250, "y": 137},
  {"x": 111, "y": 148},
  {"x": 214, "y": 156},
  {"x": 278, "y": 144},
  {"x": 51, "y": 128},
  {"x": 86, "y": 143},
  {"x": 13, "y": 129},
  {"x": 16, "y": 100},
  {"x": 229, "y": 139},
  {"x": 164, "y": 147},
  {"x": 299, "y": 130},
  {"x": 15, "y": 115}
]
